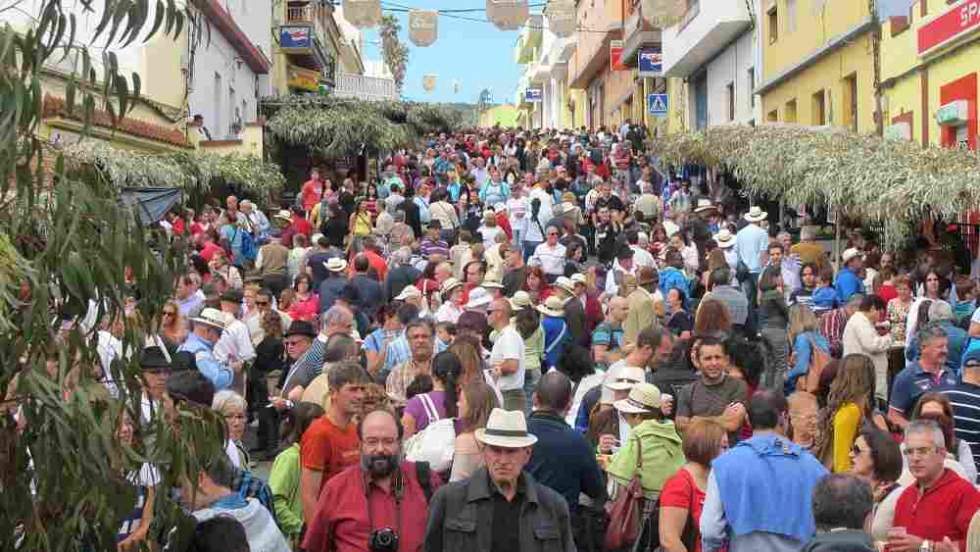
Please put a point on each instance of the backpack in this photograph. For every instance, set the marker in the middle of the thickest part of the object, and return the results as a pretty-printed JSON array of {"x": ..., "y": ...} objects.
[
  {"x": 819, "y": 359},
  {"x": 435, "y": 444},
  {"x": 250, "y": 249}
]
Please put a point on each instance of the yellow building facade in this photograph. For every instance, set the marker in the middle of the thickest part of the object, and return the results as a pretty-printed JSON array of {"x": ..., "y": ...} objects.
[
  {"x": 930, "y": 61},
  {"x": 818, "y": 63}
]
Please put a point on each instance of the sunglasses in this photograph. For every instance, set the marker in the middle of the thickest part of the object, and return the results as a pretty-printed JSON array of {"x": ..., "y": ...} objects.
[
  {"x": 261, "y": 303},
  {"x": 169, "y": 313}
]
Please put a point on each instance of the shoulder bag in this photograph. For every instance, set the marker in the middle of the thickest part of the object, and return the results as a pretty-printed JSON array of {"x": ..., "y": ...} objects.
[{"x": 625, "y": 512}]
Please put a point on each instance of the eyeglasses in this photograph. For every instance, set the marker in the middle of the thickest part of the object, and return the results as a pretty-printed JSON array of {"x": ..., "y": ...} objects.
[
  {"x": 262, "y": 303},
  {"x": 552, "y": 233},
  {"x": 919, "y": 451},
  {"x": 169, "y": 313}
]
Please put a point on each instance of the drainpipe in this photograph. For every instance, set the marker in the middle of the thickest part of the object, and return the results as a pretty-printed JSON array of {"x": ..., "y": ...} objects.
[{"x": 879, "y": 116}]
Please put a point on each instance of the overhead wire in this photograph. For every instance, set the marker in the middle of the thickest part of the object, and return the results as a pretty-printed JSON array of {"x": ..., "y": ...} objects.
[{"x": 452, "y": 14}]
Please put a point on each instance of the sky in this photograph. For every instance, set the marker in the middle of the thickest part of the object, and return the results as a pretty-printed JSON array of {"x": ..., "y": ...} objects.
[{"x": 476, "y": 54}]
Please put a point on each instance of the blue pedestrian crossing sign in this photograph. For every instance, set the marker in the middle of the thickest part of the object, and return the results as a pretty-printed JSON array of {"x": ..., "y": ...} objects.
[{"x": 657, "y": 104}]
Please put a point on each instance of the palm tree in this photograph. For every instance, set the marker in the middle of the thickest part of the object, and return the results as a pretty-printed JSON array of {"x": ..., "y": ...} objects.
[{"x": 394, "y": 51}]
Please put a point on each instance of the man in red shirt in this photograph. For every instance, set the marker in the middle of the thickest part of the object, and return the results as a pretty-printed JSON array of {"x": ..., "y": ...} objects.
[
  {"x": 380, "y": 495},
  {"x": 312, "y": 190},
  {"x": 330, "y": 444},
  {"x": 935, "y": 513}
]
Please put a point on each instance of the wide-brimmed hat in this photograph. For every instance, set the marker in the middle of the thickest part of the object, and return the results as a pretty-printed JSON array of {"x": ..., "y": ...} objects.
[
  {"x": 301, "y": 327},
  {"x": 621, "y": 377},
  {"x": 213, "y": 318},
  {"x": 336, "y": 264},
  {"x": 756, "y": 214},
  {"x": 569, "y": 197},
  {"x": 155, "y": 358},
  {"x": 849, "y": 254},
  {"x": 479, "y": 298},
  {"x": 505, "y": 428},
  {"x": 578, "y": 279},
  {"x": 566, "y": 284},
  {"x": 724, "y": 238},
  {"x": 705, "y": 205},
  {"x": 284, "y": 214},
  {"x": 232, "y": 296},
  {"x": 520, "y": 300},
  {"x": 553, "y": 306},
  {"x": 491, "y": 284},
  {"x": 644, "y": 397},
  {"x": 408, "y": 292},
  {"x": 449, "y": 284}
]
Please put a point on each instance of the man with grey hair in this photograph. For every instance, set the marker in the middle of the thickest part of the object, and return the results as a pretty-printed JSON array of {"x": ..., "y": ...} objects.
[
  {"x": 402, "y": 273},
  {"x": 936, "y": 510},
  {"x": 941, "y": 313},
  {"x": 841, "y": 504},
  {"x": 808, "y": 250},
  {"x": 921, "y": 376}
]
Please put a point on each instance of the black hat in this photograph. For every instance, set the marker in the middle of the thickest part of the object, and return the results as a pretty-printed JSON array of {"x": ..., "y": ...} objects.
[
  {"x": 232, "y": 296},
  {"x": 153, "y": 358},
  {"x": 301, "y": 327}
]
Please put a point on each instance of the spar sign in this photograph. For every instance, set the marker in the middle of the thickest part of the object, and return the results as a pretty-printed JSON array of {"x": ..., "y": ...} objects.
[{"x": 950, "y": 26}]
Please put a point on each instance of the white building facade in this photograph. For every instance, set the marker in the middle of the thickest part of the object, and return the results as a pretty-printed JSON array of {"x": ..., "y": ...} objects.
[{"x": 714, "y": 49}]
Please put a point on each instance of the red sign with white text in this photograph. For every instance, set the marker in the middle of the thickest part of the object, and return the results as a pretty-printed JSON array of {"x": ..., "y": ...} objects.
[{"x": 957, "y": 21}]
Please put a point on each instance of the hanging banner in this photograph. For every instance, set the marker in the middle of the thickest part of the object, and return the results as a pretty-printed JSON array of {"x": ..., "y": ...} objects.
[
  {"x": 362, "y": 14},
  {"x": 664, "y": 13},
  {"x": 561, "y": 17},
  {"x": 423, "y": 27},
  {"x": 650, "y": 62},
  {"x": 533, "y": 95},
  {"x": 616, "y": 56},
  {"x": 507, "y": 15},
  {"x": 455, "y": 86},
  {"x": 429, "y": 82}
]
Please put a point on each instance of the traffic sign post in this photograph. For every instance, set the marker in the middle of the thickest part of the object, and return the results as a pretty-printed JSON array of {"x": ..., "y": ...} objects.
[{"x": 658, "y": 104}]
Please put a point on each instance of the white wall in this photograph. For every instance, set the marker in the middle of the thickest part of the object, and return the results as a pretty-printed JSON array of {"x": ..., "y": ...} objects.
[{"x": 731, "y": 66}]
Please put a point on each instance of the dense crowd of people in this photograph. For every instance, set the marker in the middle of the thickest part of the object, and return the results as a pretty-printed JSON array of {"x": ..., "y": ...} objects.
[{"x": 538, "y": 340}]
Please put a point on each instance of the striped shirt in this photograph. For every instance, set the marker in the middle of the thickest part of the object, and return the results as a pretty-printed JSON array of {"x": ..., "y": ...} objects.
[{"x": 966, "y": 414}]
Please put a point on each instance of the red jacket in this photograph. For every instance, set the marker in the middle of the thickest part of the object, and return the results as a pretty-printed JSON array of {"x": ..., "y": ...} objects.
[{"x": 944, "y": 510}]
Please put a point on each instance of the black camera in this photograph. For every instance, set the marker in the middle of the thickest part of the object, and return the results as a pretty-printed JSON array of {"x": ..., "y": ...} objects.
[{"x": 383, "y": 540}]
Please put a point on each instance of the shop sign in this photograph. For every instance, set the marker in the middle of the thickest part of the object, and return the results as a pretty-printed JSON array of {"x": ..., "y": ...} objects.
[
  {"x": 953, "y": 24},
  {"x": 302, "y": 79},
  {"x": 533, "y": 95},
  {"x": 899, "y": 131},
  {"x": 616, "y": 56},
  {"x": 953, "y": 113},
  {"x": 298, "y": 37},
  {"x": 650, "y": 62}
]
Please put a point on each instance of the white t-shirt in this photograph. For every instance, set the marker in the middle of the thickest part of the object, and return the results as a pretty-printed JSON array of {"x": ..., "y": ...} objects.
[
  {"x": 490, "y": 235},
  {"x": 519, "y": 212},
  {"x": 509, "y": 346}
]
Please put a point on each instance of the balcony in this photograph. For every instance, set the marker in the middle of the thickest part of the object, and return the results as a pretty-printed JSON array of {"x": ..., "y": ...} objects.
[
  {"x": 529, "y": 40},
  {"x": 638, "y": 32},
  {"x": 365, "y": 88},
  {"x": 310, "y": 14},
  {"x": 702, "y": 34}
]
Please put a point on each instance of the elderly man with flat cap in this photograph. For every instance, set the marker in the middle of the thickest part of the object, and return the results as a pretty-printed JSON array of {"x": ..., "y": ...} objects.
[{"x": 501, "y": 507}]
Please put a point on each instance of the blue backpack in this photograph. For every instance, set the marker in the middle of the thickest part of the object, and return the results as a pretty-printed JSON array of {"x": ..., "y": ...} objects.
[{"x": 250, "y": 249}]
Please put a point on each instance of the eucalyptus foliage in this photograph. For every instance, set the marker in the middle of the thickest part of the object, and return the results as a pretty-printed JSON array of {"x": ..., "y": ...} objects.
[
  {"x": 67, "y": 247},
  {"x": 892, "y": 182}
]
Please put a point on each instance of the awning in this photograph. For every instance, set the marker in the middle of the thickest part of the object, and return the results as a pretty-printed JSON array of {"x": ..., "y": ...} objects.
[{"x": 151, "y": 203}]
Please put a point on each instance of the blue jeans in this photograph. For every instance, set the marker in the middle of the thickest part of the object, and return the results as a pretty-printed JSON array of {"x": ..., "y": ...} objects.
[{"x": 531, "y": 378}]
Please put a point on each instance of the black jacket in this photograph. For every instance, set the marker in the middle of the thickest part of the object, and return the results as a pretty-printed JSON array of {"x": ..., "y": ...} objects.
[
  {"x": 850, "y": 540},
  {"x": 461, "y": 518}
]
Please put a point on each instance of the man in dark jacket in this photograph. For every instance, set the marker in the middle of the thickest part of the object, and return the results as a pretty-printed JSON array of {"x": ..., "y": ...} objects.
[
  {"x": 501, "y": 507},
  {"x": 369, "y": 291},
  {"x": 563, "y": 459},
  {"x": 841, "y": 503}
]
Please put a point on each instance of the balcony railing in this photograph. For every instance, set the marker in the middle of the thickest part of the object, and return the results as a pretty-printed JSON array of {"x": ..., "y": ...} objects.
[
  {"x": 365, "y": 88},
  {"x": 301, "y": 14}
]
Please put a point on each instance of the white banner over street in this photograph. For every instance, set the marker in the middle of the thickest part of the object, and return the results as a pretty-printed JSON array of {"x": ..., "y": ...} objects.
[
  {"x": 507, "y": 15},
  {"x": 363, "y": 14},
  {"x": 423, "y": 27}
]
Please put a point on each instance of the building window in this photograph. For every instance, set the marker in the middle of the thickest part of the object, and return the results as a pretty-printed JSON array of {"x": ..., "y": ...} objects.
[
  {"x": 851, "y": 102},
  {"x": 772, "y": 116},
  {"x": 751, "y": 87},
  {"x": 819, "y": 109},
  {"x": 773, "y": 21},
  {"x": 791, "y": 111},
  {"x": 790, "y": 16},
  {"x": 730, "y": 89}
]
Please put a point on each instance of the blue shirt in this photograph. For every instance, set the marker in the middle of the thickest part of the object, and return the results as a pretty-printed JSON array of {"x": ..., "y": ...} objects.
[
  {"x": 956, "y": 339},
  {"x": 219, "y": 373},
  {"x": 563, "y": 460},
  {"x": 555, "y": 329},
  {"x": 847, "y": 284},
  {"x": 398, "y": 351},
  {"x": 803, "y": 347},
  {"x": 750, "y": 243},
  {"x": 913, "y": 382}
]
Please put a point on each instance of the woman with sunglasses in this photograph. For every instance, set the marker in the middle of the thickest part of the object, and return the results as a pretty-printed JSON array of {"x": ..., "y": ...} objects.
[
  {"x": 850, "y": 408},
  {"x": 876, "y": 458},
  {"x": 173, "y": 327}
]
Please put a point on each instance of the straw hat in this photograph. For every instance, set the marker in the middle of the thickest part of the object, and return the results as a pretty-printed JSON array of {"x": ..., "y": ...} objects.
[
  {"x": 849, "y": 254},
  {"x": 553, "y": 306},
  {"x": 644, "y": 397},
  {"x": 756, "y": 214},
  {"x": 506, "y": 429},
  {"x": 285, "y": 215},
  {"x": 566, "y": 284},
  {"x": 520, "y": 300},
  {"x": 724, "y": 238},
  {"x": 579, "y": 279},
  {"x": 448, "y": 285},
  {"x": 622, "y": 378},
  {"x": 491, "y": 284},
  {"x": 408, "y": 292},
  {"x": 479, "y": 298},
  {"x": 705, "y": 205},
  {"x": 212, "y": 317},
  {"x": 336, "y": 264}
]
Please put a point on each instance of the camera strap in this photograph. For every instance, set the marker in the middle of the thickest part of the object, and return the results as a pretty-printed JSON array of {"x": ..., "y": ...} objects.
[{"x": 397, "y": 489}]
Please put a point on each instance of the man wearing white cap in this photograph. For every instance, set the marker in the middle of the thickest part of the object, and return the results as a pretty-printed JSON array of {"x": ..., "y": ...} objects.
[
  {"x": 501, "y": 507},
  {"x": 208, "y": 327},
  {"x": 607, "y": 429},
  {"x": 750, "y": 245},
  {"x": 848, "y": 282}
]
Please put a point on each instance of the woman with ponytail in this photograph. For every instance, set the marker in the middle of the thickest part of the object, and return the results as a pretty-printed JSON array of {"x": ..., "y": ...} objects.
[{"x": 421, "y": 410}]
